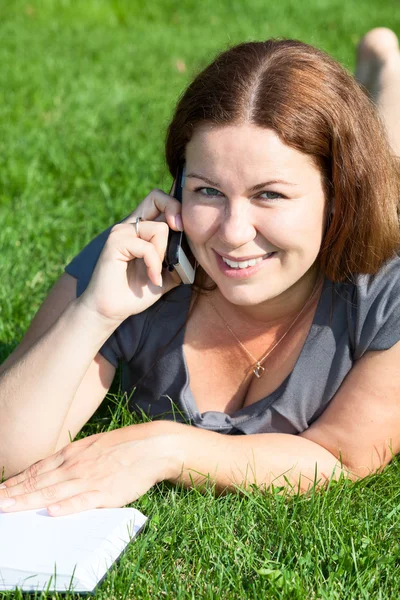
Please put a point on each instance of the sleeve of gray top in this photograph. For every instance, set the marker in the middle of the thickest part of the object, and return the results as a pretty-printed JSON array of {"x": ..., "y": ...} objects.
[
  {"x": 378, "y": 309},
  {"x": 81, "y": 267}
]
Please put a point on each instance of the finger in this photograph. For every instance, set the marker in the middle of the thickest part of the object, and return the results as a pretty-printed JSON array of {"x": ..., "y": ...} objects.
[
  {"x": 158, "y": 203},
  {"x": 156, "y": 234},
  {"x": 170, "y": 278},
  {"x": 140, "y": 248},
  {"x": 173, "y": 215},
  {"x": 47, "y": 464},
  {"x": 173, "y": 211},
  {"x": 79, "y": 503},
  {"x": 33, "y": 472},
  {"x": 46, "y": 496},
  {"x": 36, "y": 483},
  {"x": 150, "y": 246}
]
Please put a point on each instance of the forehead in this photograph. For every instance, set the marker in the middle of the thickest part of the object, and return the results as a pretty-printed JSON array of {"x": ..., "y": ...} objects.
[{"x": 242, "y": 148}]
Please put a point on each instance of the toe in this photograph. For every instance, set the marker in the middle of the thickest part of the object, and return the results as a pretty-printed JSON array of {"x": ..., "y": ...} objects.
[
  {"x": 379, "y": 43},
  {"x": 377, "y": 51}
]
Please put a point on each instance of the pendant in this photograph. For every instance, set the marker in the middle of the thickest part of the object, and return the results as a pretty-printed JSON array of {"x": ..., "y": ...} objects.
[{"x": 258, "y": 370}]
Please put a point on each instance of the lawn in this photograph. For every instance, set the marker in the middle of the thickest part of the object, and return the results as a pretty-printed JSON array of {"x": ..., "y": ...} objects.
[{"x": 87, "y": 89}]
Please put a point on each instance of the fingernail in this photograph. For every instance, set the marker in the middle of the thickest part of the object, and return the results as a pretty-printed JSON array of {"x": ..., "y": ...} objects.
[
  {"x": 178, "y": 222},
  {"x": 54, "y": 507},
  {"x": 7, "y": 503},
  {"x": 160, "y": 281},
  {"x": 2, "y": 486}
]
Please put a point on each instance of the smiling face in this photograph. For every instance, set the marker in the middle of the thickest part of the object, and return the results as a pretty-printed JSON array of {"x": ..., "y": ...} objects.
[{"x": 224, "y": 216}]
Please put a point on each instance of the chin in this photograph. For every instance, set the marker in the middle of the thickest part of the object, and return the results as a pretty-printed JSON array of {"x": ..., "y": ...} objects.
[{"x": 247, "y": 297}]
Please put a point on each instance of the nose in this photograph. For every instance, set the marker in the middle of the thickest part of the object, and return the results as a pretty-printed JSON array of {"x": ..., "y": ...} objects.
[{"x": 237, "y": 226}]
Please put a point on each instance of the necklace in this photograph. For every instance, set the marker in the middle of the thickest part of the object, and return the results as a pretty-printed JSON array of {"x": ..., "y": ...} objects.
[{"x": 257, "y": 368}]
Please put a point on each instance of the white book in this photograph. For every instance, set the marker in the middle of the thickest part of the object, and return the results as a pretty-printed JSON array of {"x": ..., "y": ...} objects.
[{"x": 72, "y": 552}]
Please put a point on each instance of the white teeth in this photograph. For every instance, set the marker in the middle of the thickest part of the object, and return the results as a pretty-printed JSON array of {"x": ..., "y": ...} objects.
[{"x": 243, "y": 264}]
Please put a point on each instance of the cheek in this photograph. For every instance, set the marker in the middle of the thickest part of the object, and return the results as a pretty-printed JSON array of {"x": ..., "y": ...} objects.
[
  {"x": 309, "y": 229},
  {"x": 199, "y": 222},
  {"x": 298, "y": 227}
]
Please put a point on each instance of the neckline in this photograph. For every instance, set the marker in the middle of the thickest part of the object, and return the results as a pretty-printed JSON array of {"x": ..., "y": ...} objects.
[{"x": 254, "y": 409}]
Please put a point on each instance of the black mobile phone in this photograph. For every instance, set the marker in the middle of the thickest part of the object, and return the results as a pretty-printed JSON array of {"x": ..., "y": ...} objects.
[{"x": 178, "y": 255}]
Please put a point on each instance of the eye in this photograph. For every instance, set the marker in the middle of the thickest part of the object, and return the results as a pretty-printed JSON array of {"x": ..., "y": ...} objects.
[
  {"x": 208, "y": 189},
  {"x": 272, "y": 195},
  {"x": 212, "y": 192}
]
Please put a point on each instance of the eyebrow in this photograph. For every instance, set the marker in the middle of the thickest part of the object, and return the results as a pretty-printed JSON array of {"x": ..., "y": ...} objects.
[{"x": 253, "y": 189}]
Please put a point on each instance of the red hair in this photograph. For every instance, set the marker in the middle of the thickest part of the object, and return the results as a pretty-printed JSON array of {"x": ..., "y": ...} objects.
[{"x": 316, "y": 107}]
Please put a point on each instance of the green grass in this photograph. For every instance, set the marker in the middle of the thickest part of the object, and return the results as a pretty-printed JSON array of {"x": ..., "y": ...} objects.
[
  {"x": 333, "y": 544},
  {"x": 86, "y": 92}
]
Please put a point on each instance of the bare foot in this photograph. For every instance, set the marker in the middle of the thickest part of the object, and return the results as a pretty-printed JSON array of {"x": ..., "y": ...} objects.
[{"x": 377, "y": 53}]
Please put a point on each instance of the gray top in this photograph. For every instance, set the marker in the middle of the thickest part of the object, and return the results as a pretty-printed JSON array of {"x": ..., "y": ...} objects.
[{"x": 350, "y": 319}]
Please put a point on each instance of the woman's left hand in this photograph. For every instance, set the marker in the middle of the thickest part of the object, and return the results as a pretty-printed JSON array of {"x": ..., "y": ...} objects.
[{"x": 106, "y": 470}]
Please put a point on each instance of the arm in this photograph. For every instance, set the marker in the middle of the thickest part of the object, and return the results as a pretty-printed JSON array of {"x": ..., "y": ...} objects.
[
  {"x": 362, "y": 422},
  {"x": 261, "y": 459},
  {"x": 361, "y": 426},
  {"x": 57, "y": 364},
  {"x": 38, "y": 384},
  {"x": 357, "y": 434},
  {"x": 115, "y": 468}
]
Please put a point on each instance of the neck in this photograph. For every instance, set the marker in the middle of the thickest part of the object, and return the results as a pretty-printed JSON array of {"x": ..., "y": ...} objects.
[{"x": 279, "y": 310}]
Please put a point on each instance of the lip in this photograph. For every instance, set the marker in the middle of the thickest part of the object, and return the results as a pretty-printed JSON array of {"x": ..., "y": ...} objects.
[
  {"x": 241, "y": 273},
  {"x": 241, "y": 258}
]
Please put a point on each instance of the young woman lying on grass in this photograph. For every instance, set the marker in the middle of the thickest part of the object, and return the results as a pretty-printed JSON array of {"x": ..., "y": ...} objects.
[{"x": 291, "y": 331}]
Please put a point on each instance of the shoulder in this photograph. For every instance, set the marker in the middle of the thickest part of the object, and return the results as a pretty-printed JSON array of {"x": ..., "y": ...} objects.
[
  {"x": 83, "y": 264},
  {"x": 386, "y": 279},
  {"x": 146, "y": 333},
  {"x": 376, "y": 308}
]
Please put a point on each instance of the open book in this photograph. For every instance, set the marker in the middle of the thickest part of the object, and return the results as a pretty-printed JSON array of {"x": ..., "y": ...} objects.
[{"x": 72, "y": 552}]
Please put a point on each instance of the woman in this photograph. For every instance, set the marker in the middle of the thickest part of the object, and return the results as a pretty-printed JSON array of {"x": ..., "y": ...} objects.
[{"x": 291, "y": 333}]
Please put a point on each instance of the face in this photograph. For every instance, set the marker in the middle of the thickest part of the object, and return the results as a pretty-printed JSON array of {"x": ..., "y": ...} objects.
[{"x": 229, "y": 216}]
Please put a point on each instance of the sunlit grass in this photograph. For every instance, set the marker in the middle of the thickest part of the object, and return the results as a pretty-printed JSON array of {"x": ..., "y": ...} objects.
[{"x": 87, "y": 89}]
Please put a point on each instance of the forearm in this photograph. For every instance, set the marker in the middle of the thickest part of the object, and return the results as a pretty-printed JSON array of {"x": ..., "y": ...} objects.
[
  {"x": 261, "y": 459},
  {"x": 37, "y": 390}
]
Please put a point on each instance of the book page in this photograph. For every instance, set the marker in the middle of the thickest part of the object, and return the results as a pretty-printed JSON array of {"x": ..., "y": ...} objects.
[{"x": 34, "y": 541}]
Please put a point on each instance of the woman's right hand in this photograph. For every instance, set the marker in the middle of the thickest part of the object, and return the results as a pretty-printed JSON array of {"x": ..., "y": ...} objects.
[{"x": 128, "y": 273}]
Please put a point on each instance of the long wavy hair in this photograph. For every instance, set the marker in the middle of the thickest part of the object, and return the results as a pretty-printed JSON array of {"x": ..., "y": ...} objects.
[{"x": 316, "y": 107}]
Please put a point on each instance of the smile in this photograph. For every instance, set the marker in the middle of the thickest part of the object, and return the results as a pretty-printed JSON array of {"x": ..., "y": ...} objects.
[{"x": 245, "y": 263}]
